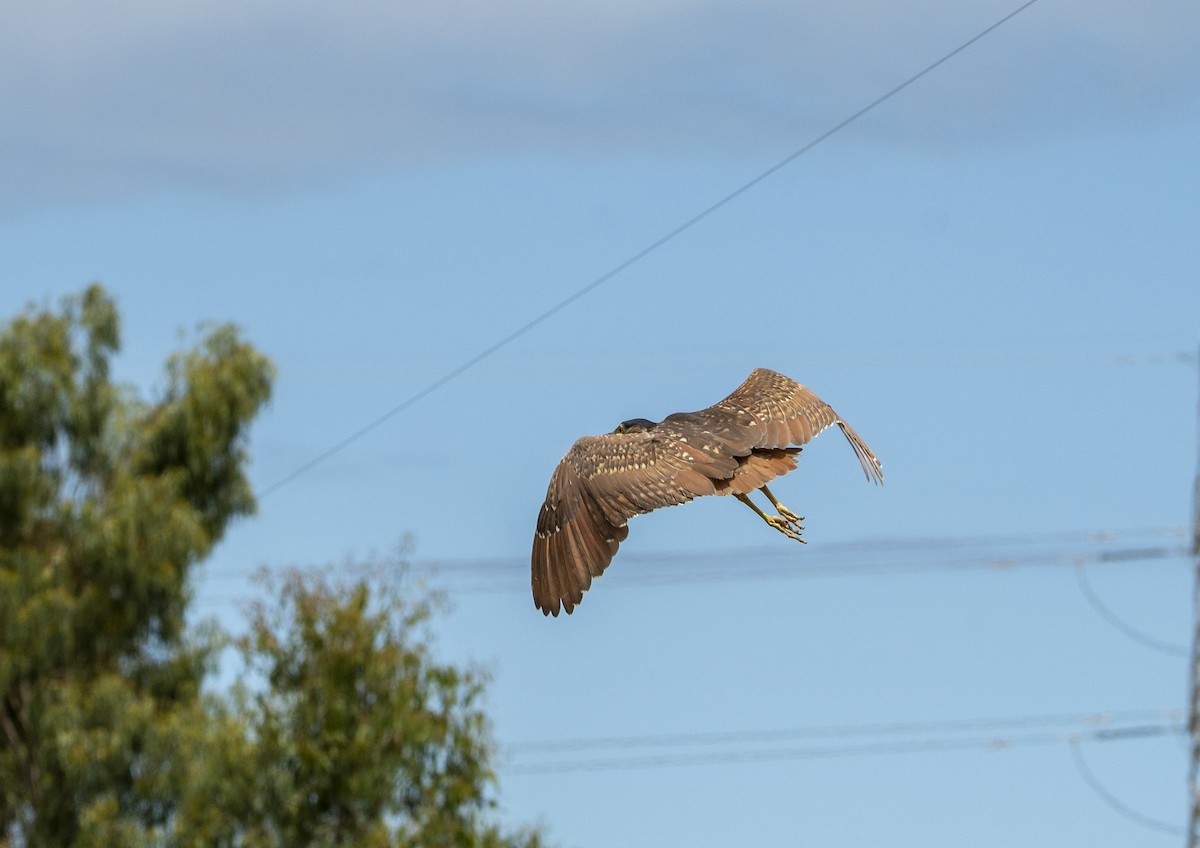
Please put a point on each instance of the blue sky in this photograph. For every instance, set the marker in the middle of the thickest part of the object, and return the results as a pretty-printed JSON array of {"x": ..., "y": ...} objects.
[{"x": 992, "y": 277}]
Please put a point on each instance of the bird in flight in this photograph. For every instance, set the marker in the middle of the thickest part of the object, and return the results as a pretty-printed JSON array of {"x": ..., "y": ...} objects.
[{"x": 733, "y": 447}]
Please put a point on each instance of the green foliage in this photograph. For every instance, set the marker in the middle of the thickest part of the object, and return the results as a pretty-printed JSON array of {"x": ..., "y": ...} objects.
[
  {"x": 347, "y": 732},
  {"x": 356, "y": 736},
  {"x": 106, "y": 503}
]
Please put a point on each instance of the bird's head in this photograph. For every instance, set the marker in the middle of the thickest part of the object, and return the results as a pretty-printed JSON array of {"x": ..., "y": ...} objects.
[{"x": 636, "y": 425}]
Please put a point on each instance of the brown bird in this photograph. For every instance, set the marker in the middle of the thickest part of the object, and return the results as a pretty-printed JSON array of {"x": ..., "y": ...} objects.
[{"x": 731, "y": 448}]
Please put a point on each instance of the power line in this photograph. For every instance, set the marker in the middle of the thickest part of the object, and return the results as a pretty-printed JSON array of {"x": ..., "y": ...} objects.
[
  {"x": 721, "y": 737},
  {"x": 906, "y": 746},
  {"x": 890, "y": 546},
  {"x": 1113, "y": 801},
  {"x": 793, "y": 571},
  {"x": 907, "y": 545},
  {"x": 1120, "y": 624},
  {"x": 635, "y": 258},
  {"x": 516, "y": 581}
]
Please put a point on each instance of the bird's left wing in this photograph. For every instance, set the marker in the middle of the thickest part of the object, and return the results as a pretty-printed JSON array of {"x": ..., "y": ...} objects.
[{"x": 774, "y": 411}]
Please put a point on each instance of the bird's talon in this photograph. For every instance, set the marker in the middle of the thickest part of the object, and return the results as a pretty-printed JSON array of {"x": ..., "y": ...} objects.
[
  {"x": 785, "y": 527},
  {"x": 791, "y": 516}
]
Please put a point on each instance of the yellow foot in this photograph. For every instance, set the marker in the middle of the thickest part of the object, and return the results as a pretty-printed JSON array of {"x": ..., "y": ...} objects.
[
  {"x": 790, "y": 516},
  {"x": 785, "y": 527}
]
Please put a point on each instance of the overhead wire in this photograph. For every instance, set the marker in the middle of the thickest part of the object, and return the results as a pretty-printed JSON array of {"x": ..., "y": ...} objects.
[
  {"x": 517, "y": 581},
  {"x": 1113, "y": 801},
  {"x": 907, "y": 544},
  {"x": 1100, "y": 727},
  {"x": 904, "y": 544},
  {"x": 632, "y": 260},
  {"x": 793, "y": 571},
  {"x": 1119, "y": 623},
  {"x": 904, "y": 746},
  {"x": 1096, "y": 719}
]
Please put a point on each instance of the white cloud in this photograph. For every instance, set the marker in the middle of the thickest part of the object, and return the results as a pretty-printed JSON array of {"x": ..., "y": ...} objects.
[{"x": 134, "y": 95}]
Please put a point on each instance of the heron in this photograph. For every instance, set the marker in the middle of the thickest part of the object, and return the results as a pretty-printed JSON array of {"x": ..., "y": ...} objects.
[{"x": 734, "y": 447}]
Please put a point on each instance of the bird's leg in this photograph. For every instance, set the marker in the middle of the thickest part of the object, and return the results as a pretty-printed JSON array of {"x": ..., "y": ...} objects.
[
  {"x": 783, "y": 510},
  {"x": 777, "y": 521}
]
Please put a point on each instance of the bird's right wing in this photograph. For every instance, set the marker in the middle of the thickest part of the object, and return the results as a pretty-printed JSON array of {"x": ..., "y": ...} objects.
[
  {"x": 574, "y": 542},
  {"x": 633, "y": 473},
  {"x": 600, "y": 484}
]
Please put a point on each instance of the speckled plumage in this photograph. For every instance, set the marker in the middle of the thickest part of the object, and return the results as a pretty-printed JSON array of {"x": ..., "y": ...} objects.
[{"x": 733, "y": 447}]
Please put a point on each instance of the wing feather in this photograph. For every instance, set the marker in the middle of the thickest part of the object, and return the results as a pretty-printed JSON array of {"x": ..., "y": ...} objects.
[
  {"x": 600, "y": 484},
  {"x": 786, "y": 413},
  {"x": 635, "y": 473}
]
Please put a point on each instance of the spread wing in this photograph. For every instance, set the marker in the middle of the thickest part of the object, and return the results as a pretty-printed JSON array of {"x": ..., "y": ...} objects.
[
  {"x": 768, "y": 410},
  {"x": 600, "y": 484},
  {"x": 732, "y": 446}
]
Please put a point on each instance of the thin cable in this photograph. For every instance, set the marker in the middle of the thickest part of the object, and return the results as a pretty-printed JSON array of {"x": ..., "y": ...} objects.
[
  {"x": 723, "y": 737},
  {"x": 908, "y": 746},
  {"x": 637, "y": 257},
  {"x": 907, "y": 545},
  {"x": 517, "y": 581},
  {"x": 791, "y": 572},
  {"x": 910, "y": 544},
  {"x": 1116, "y": 803},
  {"x": 1120, "y": 624}
]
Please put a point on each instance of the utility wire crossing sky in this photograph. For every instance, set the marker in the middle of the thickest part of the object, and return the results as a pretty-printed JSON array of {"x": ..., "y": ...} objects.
[{"x": 637, "y": 257}]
